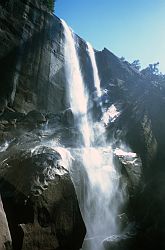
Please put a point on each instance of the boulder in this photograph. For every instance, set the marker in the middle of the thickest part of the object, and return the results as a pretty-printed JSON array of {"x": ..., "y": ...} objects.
[
  {"x": 67, "y": 117},
  {"x": 118, "y": 242},
  {"x": 40, "y": 200},
  {"x": 35, "y": 117}
]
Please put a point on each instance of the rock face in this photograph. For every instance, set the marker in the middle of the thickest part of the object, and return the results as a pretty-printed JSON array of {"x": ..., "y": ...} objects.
[
  {"x": 40, "y": 200},
  {"x": 38, "y": 195},
  {"x": 139, "y": 127},
  {"x": 31, "y": 64},
  {"x": 5, "y": 238}
]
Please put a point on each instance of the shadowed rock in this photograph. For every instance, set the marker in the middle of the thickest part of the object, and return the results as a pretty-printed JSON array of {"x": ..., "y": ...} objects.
[
  {"x": 5, "y": 238},
  {"x": 40, "y": 201}
]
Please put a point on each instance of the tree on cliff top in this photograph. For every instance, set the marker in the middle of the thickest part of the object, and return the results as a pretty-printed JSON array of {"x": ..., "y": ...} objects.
[
  {"x": 152, "y": 72},
  {"x": 49, "y": 4},
  {"x": 136, "y": 64}
]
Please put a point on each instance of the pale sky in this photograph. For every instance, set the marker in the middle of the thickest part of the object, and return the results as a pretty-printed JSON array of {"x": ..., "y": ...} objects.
[{"x": 134, "y": 29}]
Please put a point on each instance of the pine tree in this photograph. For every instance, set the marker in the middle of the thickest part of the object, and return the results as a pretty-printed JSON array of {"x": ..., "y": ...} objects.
[{"x": 49, "y": 4}]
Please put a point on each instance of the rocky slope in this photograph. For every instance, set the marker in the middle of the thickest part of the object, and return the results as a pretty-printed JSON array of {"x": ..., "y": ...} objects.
[{"x": 33, "y": 78}]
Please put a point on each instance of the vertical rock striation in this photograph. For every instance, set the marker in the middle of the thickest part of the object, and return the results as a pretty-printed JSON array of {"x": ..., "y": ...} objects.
[{"x": 31, "y": 64}]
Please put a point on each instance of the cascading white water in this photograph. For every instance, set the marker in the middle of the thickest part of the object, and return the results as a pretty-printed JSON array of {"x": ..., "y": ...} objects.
[
  {"x": 77, "y": 94},
  {"x": 103, "y": 195},
  {"x": 95, "y": 70},
  {"x": 101, "y": 200},
  {"x": 99, "y": 127}
]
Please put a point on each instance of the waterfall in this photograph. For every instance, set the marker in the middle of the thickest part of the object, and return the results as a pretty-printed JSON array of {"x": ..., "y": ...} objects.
[
  {"x": 95, "y": 70},
  {"x": 77, "y": 94},
  {"x": 99, "y": 128},
  {"x": 99, "y": 198}
]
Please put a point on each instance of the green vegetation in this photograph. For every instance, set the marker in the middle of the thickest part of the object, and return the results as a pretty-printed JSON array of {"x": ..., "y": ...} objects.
[
  {"x": 151, "y": 72},
  {"x": 136, "y": 64},
  {"x": 49, "y": 4}
]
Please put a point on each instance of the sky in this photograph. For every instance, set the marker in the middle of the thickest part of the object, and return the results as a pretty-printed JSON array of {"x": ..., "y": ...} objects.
[{"x": 134, "y": 29}]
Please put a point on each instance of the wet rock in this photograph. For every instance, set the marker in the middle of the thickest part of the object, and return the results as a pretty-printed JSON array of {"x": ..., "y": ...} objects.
[
  {"x": 133, "y": 167},
  {"x": 4, "y": 122},
  {"x": 5, "y": 238},
  {"x": 44, "y": 237},
  {"x": 40, "y": 166},
  {"x": 40, "y": 200},
  {"x": 122, "y": 221},
  {"x": 149, "y": 139},
  {"x": 3, "y": 104},
  {"x": 117, "y": 242},
  {"x": 53, "y": 118},
  {"x": 35, "y": 116},
  {"x": 9, "y": 119},
  {"x": 2, "y": 126},
  {"x": 67, "y": 117}
]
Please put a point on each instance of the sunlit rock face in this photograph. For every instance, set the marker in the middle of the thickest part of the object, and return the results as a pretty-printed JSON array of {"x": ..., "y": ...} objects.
[
  {"x": 133, "y": 166},
  {"x": 110, "y": 115}
]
